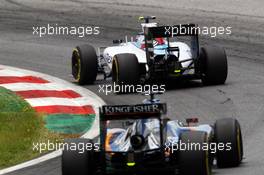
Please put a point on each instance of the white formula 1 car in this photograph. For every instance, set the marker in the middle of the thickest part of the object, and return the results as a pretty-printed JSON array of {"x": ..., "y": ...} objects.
[{"x": 152, "y": 57}]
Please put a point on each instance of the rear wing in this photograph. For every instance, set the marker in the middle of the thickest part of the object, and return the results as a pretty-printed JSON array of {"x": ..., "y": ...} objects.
[
  {"x": 124, "y": 112},
  {"x": 172, "y": 31},
  {"x": 151, "y": 33},
  {"x": 141, "y": 111}
]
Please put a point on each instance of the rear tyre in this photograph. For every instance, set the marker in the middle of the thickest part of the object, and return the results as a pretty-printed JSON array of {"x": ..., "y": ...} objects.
[
  {"x": 125, "y": 72},
  {"x": 214, "y": 66},
  {"x": 74, "y": 162},
  {"x": 193, "y": 161},
  {"x": 84, "y": 64},
  {"x": 227, "y": 131}
]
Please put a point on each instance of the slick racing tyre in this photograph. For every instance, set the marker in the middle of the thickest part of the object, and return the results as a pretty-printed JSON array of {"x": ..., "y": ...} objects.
[
  {"x": 84, "y": 64},
  {"x": 125, "y": 71},
  {"x": 227, "y": 131},
  {"x": 213, "y": 64},
  {"x": 79, "y": 162},
  {"x": 195, "y": 160}
]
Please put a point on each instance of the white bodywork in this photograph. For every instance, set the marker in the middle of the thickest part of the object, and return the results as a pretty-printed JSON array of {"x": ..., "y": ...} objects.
[
  {"x": 137, "y": 49},
  {"x": 131, "y": 47}
]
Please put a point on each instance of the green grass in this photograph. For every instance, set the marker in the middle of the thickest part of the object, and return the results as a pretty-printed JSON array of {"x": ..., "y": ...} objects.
[{"x": 20, "y": 127}]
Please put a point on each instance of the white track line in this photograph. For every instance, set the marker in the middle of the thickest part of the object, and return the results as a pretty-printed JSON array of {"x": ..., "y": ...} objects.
[
  {"x": 8, "y": 72},
  {"x": 51, "y": 101},
  {"x": 88, "y": 96},
  {"x": 34, "y": 86}
]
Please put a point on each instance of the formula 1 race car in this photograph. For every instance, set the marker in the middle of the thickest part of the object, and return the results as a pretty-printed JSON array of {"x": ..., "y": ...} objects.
[
  {"x": 137, "y": 139},
  {"x": 152, "y": 57}
]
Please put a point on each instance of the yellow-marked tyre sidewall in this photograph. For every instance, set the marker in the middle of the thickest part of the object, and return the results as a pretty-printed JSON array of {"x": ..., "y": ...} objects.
[
  {"x": 115, "y": 71},
  {"x": 239, "y": 143},
  {"x": 87, "y": 62},
  {"x": 76, "y": 55},
  {"x": 207, "y": 160}
]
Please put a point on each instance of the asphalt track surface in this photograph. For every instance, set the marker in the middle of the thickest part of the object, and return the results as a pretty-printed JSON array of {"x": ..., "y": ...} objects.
[{"x": 242, "y": 96}]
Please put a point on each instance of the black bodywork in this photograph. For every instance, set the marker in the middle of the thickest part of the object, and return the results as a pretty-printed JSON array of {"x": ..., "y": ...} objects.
[{"x": 140, "y": 161}]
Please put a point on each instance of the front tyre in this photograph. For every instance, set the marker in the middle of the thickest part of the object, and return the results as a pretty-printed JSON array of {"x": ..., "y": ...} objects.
[
  {"x": 228, "y": 131},
  {"x": 84, "y": 64}
]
